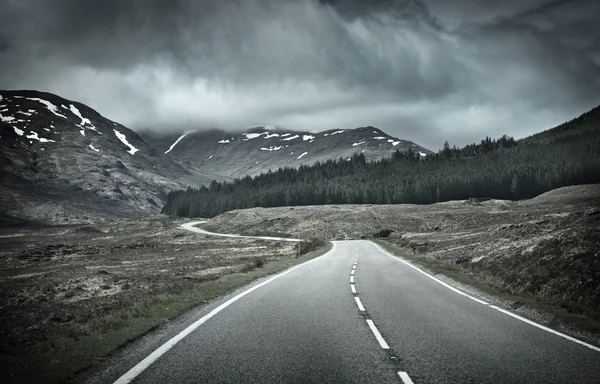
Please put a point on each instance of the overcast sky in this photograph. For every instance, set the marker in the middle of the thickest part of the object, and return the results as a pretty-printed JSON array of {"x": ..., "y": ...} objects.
[{"x": 423, "y": 70}]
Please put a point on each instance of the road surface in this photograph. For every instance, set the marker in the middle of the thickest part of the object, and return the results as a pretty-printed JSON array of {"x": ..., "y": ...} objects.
[{"x": 360, "y": 315}]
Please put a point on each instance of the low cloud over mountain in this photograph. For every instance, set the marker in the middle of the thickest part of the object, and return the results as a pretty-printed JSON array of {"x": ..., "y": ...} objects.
[{"x": 428, "y": 71}]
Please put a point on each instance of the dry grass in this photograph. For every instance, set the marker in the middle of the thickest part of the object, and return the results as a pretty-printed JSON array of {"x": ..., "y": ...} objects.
[{"x": 71, "y": 295}]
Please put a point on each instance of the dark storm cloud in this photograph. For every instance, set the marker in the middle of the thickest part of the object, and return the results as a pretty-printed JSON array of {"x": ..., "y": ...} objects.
[{"x": 423, "y": 70}]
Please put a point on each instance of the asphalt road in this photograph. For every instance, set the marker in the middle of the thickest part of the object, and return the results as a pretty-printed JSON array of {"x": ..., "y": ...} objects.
[{"x": 307, "y": 326}]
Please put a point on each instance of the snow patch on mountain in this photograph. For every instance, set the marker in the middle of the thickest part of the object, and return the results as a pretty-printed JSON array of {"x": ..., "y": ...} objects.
[
  {"x": 302, "y": 155},
  {"x": 394, "y": 143},
  {"x": 291, "y": 138},
  {"x": 222, "y": 142},
  {"x": 18, "y": 131},
  {"x": 379, "y": 138},
  {"x": 84, "y": 120},
  {"x": 120, "y": 136},
  {"x": 422, "y": 154},
  {"x": 337, "y": 132},
  {"x": 175, "y": 143},
  {"x": 307, "y": 137},
  {"x": 93, "y": 148},
  {"x": 51, "y": 107},
  {"x": 6, "y": 119},
  {"x": 34, "y": 136},
  {"x": 359, "y": 143},
  {"x": 271, "y": 148},
  {"x": 250, "y": 136}
]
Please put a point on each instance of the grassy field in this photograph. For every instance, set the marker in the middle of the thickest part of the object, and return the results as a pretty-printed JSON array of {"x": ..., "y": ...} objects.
[{"x": 83, "y": 327}]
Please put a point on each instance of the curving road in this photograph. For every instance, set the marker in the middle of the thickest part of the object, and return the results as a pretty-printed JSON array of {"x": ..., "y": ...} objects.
[{"x": 359, "y": 315}]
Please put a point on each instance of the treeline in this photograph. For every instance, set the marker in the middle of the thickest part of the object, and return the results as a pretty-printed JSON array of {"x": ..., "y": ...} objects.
[{"x": 500, "y": 169}]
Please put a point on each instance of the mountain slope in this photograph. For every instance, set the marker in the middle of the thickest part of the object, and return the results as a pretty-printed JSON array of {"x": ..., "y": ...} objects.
[
  {"x": 587, "y": 123},
  {"x": 262, "y": 148},
  {"x": 61, "y": 161}
]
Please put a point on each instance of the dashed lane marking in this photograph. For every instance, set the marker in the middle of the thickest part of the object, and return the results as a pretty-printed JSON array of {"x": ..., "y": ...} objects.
[
  {"x": 405, "y": 378},
  {"x": 359, "y": 303},
  {"x": 378, "y": 336}
]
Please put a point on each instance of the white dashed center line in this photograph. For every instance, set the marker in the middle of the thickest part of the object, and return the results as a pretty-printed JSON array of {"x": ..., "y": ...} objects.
[
  {"x": 404, "y": 377},
  {"x": 378, "y": 336},
  {"x": 359, "y": 303}
]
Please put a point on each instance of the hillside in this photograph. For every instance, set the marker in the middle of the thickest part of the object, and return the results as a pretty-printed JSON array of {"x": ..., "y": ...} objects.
[
  {"x": 62, "y": 162},
  {"x": 501, "y": 169},
  {"x": 262, "y": 148}
]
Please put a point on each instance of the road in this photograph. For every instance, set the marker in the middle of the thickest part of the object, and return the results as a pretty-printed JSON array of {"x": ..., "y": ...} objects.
[{"x": 360, "y": 315}]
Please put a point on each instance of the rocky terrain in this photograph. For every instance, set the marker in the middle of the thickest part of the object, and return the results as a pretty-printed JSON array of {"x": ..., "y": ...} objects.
[
  {"x": 262, "y": 148},
  {"x": 68, "y": 287},
  {"x": 546, "y": 248},
  {"x": 61, "y": 161}
]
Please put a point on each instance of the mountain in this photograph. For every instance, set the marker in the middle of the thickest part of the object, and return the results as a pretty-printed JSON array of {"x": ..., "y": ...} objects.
[
  {"x": 61, "y": 161},
  {"x": 504, "y": 169},
  {"x": 262, "y": 148},
  {"x": 587, "y": 123}
]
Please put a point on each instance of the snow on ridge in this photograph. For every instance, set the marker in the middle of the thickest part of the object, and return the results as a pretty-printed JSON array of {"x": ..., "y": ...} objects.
[
  {"x": 175, "y": 143},
  {"x": 307, "y": 137},
  {"x": 34, "y": 136},
  {"x": 302, "y": 155},
  {"x": 285, "y": 134},
  {"x": 51, "y": 107},
  {"x": 93, "y": 148},
  {"x": 359, "y": 143},
  {"x": 269, "y": 135},
  {"x": 123, "y": 138},
  {"x": 336, "y": 132},
  {"x": 84, "y": 120},
  {"x": 291, "y": 138},
  {"x": 379, "y": 138},
  {"x": 254, "y": 135},
  {"x": 6, "y": 119},
  {"x": 222, "y": 142},
  {"x": 18, "y": 131},
  {"x": 271, "y": 148}
]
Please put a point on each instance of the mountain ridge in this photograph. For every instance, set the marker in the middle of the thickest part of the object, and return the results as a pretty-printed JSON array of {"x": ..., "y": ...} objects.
[
  {"x": 61, "y": 161},
  {"x": 260, "y": 148}
]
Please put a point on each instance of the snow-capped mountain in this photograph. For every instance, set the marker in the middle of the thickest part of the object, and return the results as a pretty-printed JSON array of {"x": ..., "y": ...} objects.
[
  {"x": 62, "y": 161},
  {"x": 262, "y": 148}
]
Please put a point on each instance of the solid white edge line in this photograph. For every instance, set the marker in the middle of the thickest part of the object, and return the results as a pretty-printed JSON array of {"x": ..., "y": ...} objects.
[
  {"x": 145, "y": 363},
  {"x": 378, "y": 336},
  {"x": 430, "y": 276},
  {"x": 592, "y": 347},
  {"x": 351, "y": 279},
  {"x": 359, "y": 303},
  {"x": 353, "y": 288},
  {"x": 405, "y": 378}
]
